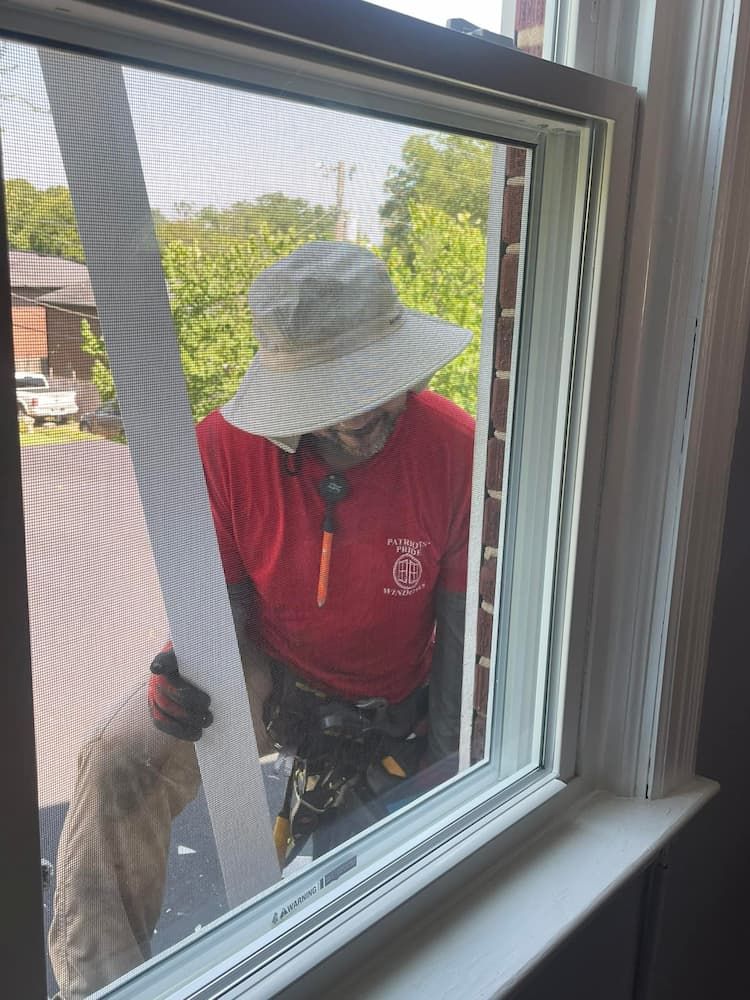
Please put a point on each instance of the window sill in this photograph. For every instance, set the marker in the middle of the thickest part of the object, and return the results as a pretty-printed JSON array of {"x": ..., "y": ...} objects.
[{"x": 445, "y": 943}]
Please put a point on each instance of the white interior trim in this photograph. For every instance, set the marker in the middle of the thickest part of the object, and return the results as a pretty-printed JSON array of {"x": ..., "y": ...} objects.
[
  {"x": 670, "y": 237},
  {"x": 599, "y": 36},
  {"x": 716, "y": 390},
  {"x": 480, "y": 942}
]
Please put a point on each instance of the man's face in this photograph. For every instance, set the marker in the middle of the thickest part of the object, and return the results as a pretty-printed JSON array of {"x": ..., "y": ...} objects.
[{"x": 365, "y": 435}]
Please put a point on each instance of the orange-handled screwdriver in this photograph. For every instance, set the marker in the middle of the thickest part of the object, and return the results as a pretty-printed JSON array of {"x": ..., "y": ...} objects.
[
  {"x": 325, "y": 567},
  {"x": 333, "y": 488}
]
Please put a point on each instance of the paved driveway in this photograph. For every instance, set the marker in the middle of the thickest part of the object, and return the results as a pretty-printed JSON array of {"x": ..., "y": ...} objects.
[
  {"x": 96, "y": 620},
  {"x": 96, "y": 610}
]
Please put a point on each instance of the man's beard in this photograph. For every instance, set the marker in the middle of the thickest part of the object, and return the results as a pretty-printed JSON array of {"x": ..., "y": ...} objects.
[{"x": 362, "y": 444}]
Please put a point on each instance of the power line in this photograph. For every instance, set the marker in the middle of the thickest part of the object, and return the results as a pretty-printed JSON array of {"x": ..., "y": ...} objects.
[{"x": 52, "y": 305}]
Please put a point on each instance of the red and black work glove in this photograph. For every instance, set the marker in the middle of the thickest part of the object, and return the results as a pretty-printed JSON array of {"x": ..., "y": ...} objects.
[{"x": 177, "y": 707}]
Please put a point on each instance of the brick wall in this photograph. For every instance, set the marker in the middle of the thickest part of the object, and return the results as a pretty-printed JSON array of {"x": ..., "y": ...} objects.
[
  {"x": 29, "y": 336},
  {"x": 66, "y": 355},
  {"x": 529, "y": 38},
  {"x": 530, "y": 26},
  {"x": 510, "y": 236}
]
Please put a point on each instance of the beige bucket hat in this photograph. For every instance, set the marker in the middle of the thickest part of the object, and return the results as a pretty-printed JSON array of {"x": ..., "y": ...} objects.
[{"x": 334, "y": 341}]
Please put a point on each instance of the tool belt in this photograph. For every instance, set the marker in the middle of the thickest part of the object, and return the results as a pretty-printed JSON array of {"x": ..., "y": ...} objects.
[{"x": 340, "y": 747}]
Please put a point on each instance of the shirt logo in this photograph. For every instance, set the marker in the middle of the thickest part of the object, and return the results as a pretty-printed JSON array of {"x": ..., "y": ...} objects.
[
  {"x": 407, "y": 572},
  {"x": 407, "y": 567}
]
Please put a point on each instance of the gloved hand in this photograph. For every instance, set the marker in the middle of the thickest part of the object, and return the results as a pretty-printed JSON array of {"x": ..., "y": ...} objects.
[{"x": 177, "y": 707}]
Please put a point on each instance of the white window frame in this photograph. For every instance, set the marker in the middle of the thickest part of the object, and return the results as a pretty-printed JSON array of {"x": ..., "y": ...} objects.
[
  {"x": 570, "y": 159},
  {"x": 650, "y": 740},
  {"x": 508, "y": 18},
  {"x": 672, "y": 428}
]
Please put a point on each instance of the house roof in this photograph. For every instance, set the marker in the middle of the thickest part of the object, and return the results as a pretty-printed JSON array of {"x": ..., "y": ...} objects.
[
  {"x": 55, "y": 280},
  {"x": 76, "y": 293}
]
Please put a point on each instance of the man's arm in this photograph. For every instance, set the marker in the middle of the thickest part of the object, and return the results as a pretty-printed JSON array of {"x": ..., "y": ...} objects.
[
  {"x": 255, "y": 663},
  {"x": 239, "y": 602},
  {"x": 181, "y": 709},
  {"x": 447, "y": 674}
]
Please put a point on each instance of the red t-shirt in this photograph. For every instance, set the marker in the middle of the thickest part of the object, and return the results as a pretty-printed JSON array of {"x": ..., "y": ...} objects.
[{"x": 401, "y": 532}]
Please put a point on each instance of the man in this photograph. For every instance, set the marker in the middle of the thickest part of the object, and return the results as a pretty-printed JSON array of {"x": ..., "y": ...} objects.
[{"x": 340, "y": 494}]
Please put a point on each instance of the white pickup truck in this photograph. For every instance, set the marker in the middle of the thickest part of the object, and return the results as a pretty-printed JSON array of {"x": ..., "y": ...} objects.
[{"x": 36, "y": 401}]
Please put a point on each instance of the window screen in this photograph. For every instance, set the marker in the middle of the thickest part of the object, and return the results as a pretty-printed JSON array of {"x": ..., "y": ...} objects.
[{"x": 295, "y": 398}]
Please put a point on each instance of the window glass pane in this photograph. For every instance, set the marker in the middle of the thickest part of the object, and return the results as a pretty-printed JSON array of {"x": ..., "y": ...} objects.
[
  {"x": 526, "y": 23},
  {"x": 403, "y": 280}
]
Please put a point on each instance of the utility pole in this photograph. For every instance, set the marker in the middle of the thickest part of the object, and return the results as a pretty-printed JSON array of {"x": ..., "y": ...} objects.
[
  {"x": 340, "y": 213},
  {"x": 342, "y": 229}
]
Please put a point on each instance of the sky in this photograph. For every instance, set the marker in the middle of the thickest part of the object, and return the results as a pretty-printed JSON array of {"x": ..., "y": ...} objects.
[
  {"x": 483, "y": 13},
  {"x": 210, "y": 145}
]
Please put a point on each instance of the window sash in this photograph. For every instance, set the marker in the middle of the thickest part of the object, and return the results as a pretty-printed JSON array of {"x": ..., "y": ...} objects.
[
  {"x": 81, "y": 158},
  {"x": 216, "y": 38}
]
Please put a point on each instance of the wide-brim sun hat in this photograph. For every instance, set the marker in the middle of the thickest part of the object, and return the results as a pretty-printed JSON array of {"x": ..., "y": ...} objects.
[{"x": 334, "y": 341}]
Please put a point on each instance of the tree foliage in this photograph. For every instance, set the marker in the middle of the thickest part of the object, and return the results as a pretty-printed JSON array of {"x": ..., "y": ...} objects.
[
  {"x": 93, "y": 344},
  {"x": 441, "y": 272},
  {"x": 274, "y": 213},
  {"x": 448, "y": 172},
  {"x": 208, "y": 295},
  {"x": 434, "y": 248},
  {"x": 208, "y": 291},
  {"x": 42, "y": 220}
]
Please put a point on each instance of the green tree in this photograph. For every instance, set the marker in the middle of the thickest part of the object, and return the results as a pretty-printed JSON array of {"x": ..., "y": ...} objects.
[
  {"x": 208, "y": 295},
  {"x": 101, "y": 376},
  {"x": 42, "y": 220},
  {"x": 20, "y": 197},
  {"x": 274, "y": 213},
  {"x": 441, "y": 272},
  {"x": 280, "y": 214},
  {"x": 449, "y": 172}
]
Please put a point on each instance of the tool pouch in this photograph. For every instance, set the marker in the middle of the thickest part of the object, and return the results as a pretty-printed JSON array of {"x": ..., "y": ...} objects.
[
  {"x": 341, "y": 746},
  {"x": 296, "y": 714}
]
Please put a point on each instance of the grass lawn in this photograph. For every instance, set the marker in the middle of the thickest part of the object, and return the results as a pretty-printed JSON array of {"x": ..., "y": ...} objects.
[{"x": 64, "y": 434}]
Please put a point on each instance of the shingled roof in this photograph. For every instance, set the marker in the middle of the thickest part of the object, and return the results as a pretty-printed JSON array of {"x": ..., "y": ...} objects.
[
  {"x": 77, "y": 293},
  {"x": 52, "y": 280}
]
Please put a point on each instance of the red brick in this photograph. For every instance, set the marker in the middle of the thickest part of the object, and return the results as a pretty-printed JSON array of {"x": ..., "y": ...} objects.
[
  {"x": 515, "y": 161},
  {"x": 478, "y": 735},
  {"x": 487, "y": 575},
  {"x": 504, "y": 343},
  {"x": 529, "y": 13},
  {"x": 512, "y": 212},
  {"x": 508, "y": 280},
  {"x": 495, "y": 460},
  {"x": 491, "y": 528},
  {"x": 484, "y": 633},
  {"x": 481, "y": 687},
  {"x": 499, "y": 403},
  {"x": 29, "y": 332}
]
